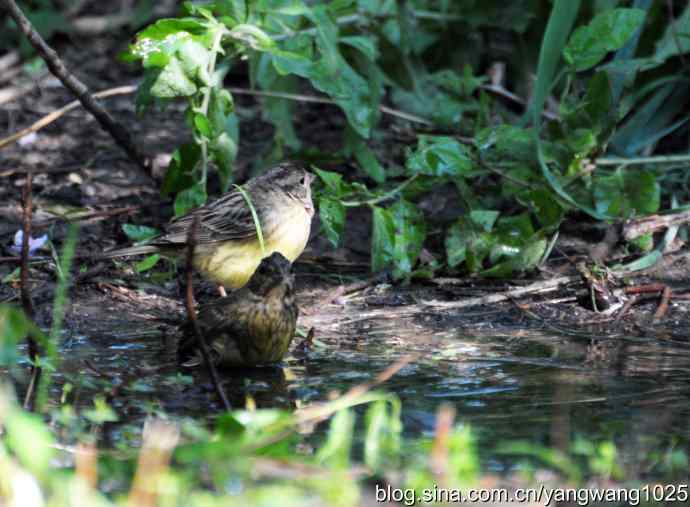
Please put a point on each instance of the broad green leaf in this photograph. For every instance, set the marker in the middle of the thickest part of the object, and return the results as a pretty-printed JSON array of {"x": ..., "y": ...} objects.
[
  {"x": 202, "y": 125},
  {"x": 599, "y": 105},
  {"x": 439, "y": 156},
  {"x": 608, "y": 31},
  {"x": 190, "y": 198},
  {"x": 253, "y": 36},
  {"x": 410, "y": 232},
  {"x": 194, "y": 59},
  {"x": 333, "y": 180},
  {"x": 507, "y": 142},
  {"x": 367, "y": 45},
  {"x": 608, "y": 194},
  {"x": 163, "y": 28},
  {"x": 643, "y": 191},
  {"x": 182, "y": 164},
  {"x": 485, "y": 219},
  {"x": 545, "y": 207},
  {"x": 139, "y": 232},
  {"x": 365, "y": 156},
  {"x": 146, "y": 264},
  {"x": 382, "y": 239},
  {"x": 332, "y": 214},
  {"x": 172, "y": 82},
  {"x": 223, "y": 150}
]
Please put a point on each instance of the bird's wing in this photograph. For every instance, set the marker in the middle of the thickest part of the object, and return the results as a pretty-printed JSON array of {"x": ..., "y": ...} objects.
[{"x": 226, "y": 218}]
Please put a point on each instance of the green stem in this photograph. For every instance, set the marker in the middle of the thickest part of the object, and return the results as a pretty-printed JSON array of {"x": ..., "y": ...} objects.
[
  {"x": 206, "y": 98},
  {"x": 381, "y": 198},
  {"x": 660, "y": 159}
]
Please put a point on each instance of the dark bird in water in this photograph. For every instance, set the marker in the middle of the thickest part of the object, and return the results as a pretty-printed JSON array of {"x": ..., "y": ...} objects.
[{"x": 253, "y": 325}]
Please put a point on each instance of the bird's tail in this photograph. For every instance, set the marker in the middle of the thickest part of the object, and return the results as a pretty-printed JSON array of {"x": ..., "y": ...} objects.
[{"x": 129, "y": 251}]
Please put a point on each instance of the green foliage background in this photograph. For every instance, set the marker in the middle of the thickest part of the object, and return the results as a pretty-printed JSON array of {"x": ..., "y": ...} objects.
[{"x": 612, "y": 73}]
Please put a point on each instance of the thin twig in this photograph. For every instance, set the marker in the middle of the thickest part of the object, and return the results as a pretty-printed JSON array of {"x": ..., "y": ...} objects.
[
  {"x": 27, "y": 305},
  {"x": 191, "y": 314},
  {"x": 323, "y": 100},
  {"x": 57, "y": 67},
  {"x": 53, "y": 116},
  {"x": 663, "y": 305}
]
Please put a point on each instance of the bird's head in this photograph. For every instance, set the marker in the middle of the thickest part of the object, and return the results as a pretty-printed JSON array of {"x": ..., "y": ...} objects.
[
  {"x": 273, "y": 274},
  {"x": 293, "y": 179}
]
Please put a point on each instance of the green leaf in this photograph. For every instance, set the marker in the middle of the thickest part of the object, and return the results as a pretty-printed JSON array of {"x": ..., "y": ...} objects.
[
  {"x": 180, "y": 171},
  {"x": 161, "y": 29},
  {"x": 410, "y": 232},
  {"x": 139, "y": 232},
  {"x": 382, "y": 239},
  {"x": 147, "y": 263},
  {"x": 253, "y": 36},
  {"x": 366, "y": 45},
  {"x": 223, "y": 151},
  {"x": 202, "y": 125},
  {"x": 332, "y": 214},
  {"x": 194, "y": 60},
  {"x": 643, "y": 191},
  {"x": 332, "y": 180},
  {"x": 172, "y": 82},
  {"x": 608, "y": 31},
  {"x": 545, "y": 207},
  {"x": 439, "y": 156},
  {"x": 364, "y": 156},
  {"x": 190, "y": 198},
  {"x": 507, "y": 142}
]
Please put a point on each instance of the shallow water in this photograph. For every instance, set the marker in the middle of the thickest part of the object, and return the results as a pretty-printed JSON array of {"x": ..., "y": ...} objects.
[{"x": 540, "y": 386}]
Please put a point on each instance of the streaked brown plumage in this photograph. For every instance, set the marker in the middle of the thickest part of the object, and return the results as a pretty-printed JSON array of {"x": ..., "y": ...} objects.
[
  {"x": 228, "y": 249},
  {"x": 253, "y": 325}
]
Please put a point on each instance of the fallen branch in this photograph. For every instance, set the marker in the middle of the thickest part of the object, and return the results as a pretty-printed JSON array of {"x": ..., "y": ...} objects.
[
  {"x": 57, "y": 67},
  {"x": 533, "y": 288},
  {"x": 51, "y": 117},
  {"x": 640, "y": 226},
  {"x": 191, "y": 314}
]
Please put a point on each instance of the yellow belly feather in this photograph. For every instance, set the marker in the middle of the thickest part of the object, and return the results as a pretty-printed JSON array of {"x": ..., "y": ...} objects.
[{"x": 233, "y": 263}]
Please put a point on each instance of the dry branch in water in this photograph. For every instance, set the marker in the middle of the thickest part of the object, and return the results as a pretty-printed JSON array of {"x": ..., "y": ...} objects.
[
  {"x": 25, "y": 292},
  {"x": 57, "y": 67},
  {"x": 191, "y": 314}
]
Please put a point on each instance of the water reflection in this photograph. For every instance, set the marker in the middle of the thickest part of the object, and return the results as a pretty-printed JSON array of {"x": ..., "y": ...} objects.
[{"x": 536, "y": 385}]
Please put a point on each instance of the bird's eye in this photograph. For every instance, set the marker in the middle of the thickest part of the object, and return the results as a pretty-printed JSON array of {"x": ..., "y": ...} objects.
[{"x": 303, "y": 180}]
